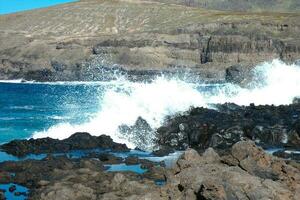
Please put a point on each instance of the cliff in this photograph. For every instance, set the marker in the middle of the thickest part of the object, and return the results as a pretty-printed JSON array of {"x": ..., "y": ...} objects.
[{"x": 83, "y": 40}]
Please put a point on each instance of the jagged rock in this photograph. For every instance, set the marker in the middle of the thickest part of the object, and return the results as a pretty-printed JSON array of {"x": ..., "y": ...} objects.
[
  {"x": 211, "y": 190},
  {"x": 255, "y": 161},
  {"x": 220, "y": 128},
  {"x": 296, "y": 100},
  {"x": 229, "y": 160},
  {"x": 246, "y": 174},
  {"x": 237, "y": 74},
  {"x": 163, "y": 151},
  {"x": 191, "y": 155},
  {"x": 65, "y": 192},
  {"x": 211, "y": 156},
  {"x": 140, "y": 133},
  {"x": 2, "y": 196},
  {"x": 48, "y": 145},
  {"x": 206, "y": 179}
]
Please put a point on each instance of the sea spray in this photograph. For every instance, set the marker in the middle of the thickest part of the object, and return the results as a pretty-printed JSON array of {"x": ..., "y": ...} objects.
[
  {"x": 273, "y": 82},
  {"x": 123, "y": 102}
]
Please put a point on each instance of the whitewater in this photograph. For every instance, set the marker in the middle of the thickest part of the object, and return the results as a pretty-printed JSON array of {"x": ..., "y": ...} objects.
[{"x": 122, "y": 101}]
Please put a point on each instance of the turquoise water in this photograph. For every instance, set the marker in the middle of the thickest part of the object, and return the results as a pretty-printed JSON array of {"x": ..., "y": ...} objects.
[
  {"x": 58, "y": 110},
  {"x": 11, "y": 195},
  {"x": 123, "y": 167},
  {"x": 26, "y": 108},
  {"x": 12, "y": 6}
]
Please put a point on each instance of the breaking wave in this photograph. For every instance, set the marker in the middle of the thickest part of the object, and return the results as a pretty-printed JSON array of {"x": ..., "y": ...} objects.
[{"x": 122, "y": 101}]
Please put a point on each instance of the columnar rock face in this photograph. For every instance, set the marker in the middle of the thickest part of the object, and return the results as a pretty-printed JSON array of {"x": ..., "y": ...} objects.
[{"x": 78, "y": 43}]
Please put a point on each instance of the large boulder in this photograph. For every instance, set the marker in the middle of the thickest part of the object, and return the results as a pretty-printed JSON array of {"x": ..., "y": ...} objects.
[{"x": 206, "y": 176}]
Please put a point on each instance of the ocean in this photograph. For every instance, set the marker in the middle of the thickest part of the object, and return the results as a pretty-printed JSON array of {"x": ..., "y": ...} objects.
[{"x": 59, "y": 109}]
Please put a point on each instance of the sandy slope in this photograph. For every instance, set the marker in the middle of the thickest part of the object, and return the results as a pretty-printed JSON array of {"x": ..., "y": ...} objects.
[{"x": 71, "y": 41}]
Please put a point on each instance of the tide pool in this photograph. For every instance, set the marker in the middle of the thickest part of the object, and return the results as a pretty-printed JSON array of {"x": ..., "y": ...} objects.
[
  {"x": 23, "y": 191},
  {"x": 12, "y": 6}
]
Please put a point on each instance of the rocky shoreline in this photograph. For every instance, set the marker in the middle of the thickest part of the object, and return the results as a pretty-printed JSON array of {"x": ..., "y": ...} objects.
[
  {"x": 92, "y": 37},
  {"x": 244, "y": 172},
  {"x": 222, "y": 152},
  {"x": 269, "y": 126},
  {"x": 221, "y": 159}
]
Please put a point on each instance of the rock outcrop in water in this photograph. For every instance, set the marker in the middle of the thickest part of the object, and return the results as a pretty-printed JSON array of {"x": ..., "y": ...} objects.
[
  {"x": 89, "y": 39},
  {"x": 268, "y": 126},
  {"x": 78, "y": 141},
  {"x": 245, "y": 171}
]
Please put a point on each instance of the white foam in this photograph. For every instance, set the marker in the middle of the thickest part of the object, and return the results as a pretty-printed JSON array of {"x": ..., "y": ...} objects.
[
  {"x": 26, "y": 107},
  {"x": 274, "y": 83},
  {"x": 127, "y": 101},
  {"x": 123, "y": 101},
  {"x": 290, "y": 152},
  {"x": 12, "y": 81}
]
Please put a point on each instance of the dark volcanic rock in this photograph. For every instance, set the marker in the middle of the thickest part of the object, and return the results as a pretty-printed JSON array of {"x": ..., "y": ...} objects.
[
  {"x": 251, "y": 173},
  {"x": 238, "y": 74},
  {"x": 140, "y": 133},
  {"x": 2, "y": 197},
  {"x": 146, "y": 164},
  {"x": 163, "y": 151},
  {"x": 48, "y": 145},
  {"x": 12, "y": 188},
  {"x": 288, "y": 154},
  {"x": 268, "y": 126},
  {"x": 107, "y": 158},
  {"x": 296, "y": 100}
]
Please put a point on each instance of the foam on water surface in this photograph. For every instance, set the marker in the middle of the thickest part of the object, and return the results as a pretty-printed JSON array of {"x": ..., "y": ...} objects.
[
  {"x": 124, "y": 101},
  {"x": 121, "y": 102}
]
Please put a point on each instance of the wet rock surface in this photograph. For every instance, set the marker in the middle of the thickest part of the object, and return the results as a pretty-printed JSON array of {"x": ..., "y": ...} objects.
[
  {"x": 223, "y": 158},
  {"x": 140, "y": 133},
  {"x": 77, "y": 141},
  {"x": 220, "y": 128},
  {"x": 86, "y": 178},
  {"x": 245, "y": 171}
]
